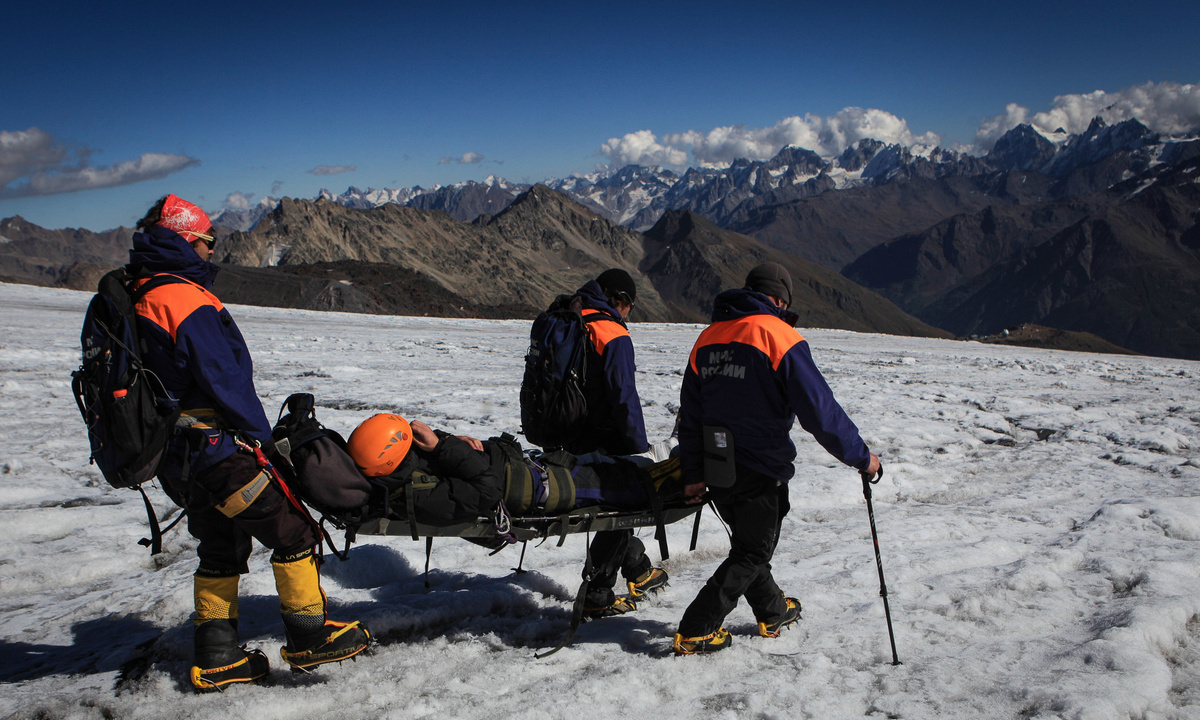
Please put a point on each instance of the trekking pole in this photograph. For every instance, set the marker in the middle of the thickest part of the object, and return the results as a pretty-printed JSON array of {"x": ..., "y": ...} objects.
[{"x": 868, "y": 481}]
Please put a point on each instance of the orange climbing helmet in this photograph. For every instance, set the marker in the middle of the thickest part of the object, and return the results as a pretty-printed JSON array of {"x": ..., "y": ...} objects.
[{"x": 379, "y": 443}]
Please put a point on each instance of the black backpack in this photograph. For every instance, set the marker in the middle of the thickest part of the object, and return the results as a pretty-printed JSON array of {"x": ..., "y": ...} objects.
[
  {"x": 553, "y": 402},
  {"x": 117, "y": 395},
  {"x": 317, "y": 466},
  {"x": 320, "y": 470},
  {"x": 119, "y": 398}
]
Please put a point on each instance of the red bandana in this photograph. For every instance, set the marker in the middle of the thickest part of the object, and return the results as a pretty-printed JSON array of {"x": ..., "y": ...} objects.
[{"x": 184, "y": 218}]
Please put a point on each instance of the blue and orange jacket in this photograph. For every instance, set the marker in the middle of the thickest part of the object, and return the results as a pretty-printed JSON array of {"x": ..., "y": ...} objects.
[
  {"x": 195, "y": 348},
  {"x": 751, "y": 372},
  {"x": 615, "y": 423}
]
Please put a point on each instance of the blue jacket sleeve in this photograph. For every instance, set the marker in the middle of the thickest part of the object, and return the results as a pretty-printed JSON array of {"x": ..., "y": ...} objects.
[
  {"x": 623, "y": 400},
  {"x": 818, "y": 411},
  {"x": 212, "y": 347}
]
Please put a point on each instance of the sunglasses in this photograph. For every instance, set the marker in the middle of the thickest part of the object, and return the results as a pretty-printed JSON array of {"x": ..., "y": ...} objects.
[{"x": 208, "y": 240}]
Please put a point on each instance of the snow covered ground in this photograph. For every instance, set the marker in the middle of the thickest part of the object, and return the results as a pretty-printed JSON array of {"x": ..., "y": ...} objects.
[{"x": 1039, "y": 524}]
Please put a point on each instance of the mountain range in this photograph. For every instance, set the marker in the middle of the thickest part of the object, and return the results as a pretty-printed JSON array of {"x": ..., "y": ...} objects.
[
  {"x": 636, "y": 196},
  {"x": 544, "y": 244},
  {"x": 1095, "y": 232}
]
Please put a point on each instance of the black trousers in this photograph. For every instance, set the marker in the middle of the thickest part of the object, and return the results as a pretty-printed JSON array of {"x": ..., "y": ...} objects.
[
  {"x": 614, "y": 551},
  {"x": 225, "y": 543},
  {"x": 753, "y": 509}
]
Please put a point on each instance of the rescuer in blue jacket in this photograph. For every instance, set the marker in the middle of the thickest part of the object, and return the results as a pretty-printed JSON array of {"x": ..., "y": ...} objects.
[
  {"x": 615, "y": 426},
  {"x": 751, "y": 376},
  {"x": 197, "y": 351},
  {"x": 614, "y": 423}
]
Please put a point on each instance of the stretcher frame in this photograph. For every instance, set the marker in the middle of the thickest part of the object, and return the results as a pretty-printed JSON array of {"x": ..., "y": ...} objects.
[
  {"x": 542, "y": 527},
  {"x": 534, "y": 527}
]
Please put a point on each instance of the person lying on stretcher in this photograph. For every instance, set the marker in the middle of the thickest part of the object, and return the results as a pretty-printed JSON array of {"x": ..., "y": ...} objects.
[
  {"x": 457, "y": 479},
  {"x": 453, "y": 479}
]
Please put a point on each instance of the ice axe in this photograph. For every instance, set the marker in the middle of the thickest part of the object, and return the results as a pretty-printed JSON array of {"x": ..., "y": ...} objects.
[{"x": 868, "y": 481}]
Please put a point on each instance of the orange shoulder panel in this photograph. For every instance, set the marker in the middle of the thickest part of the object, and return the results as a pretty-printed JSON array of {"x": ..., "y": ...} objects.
[
  {"x": 604, "y": 331},
  {"x": 767, "y": 333},
  {"x": 169, "y": 305}
]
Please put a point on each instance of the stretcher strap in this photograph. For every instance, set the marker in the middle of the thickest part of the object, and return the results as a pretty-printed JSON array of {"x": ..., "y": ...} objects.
[
  {"x": 410, "y": 498},
  {"x": 581, "y": 596},
  {"x": 518, "y": 485},
  {"x": 428, "y": 553},
  {"x": 410, "y": 507},
  {"x": 696, "y": 528},
  {"x": 561, "y": 489}
]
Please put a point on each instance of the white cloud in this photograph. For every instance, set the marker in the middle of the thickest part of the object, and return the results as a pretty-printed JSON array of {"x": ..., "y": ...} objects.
[
  {"x": 332, "y": 169},
  {"x": 51, "y": 169},
  {"x": 853, "y": 124},
  {"x": 238, "y": 201},
  {"x": 641, "y": 148},
  {"x": 1166, "y": 107},
  {"x": 826, "y": 136},
  {"x": 276, "y": 187},
  {"x": 469, "y": 158},
  {"x": 24, "y": 152},
  {"x": 992, "y": 128}
]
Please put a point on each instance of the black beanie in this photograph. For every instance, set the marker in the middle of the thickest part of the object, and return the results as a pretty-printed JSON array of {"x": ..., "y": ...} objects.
[
  {"x": 616, "y": 282},
  {"x": 771, "y": 279}
]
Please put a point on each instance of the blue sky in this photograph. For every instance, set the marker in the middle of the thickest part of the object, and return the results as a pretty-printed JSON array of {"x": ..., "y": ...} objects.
[{"x": 104, "y": 107}]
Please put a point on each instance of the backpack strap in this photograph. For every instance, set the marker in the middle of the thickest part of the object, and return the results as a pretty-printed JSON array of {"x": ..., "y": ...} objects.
[
  {"x": 192, "y": 440},
  {"x": 139, "y": 286},
  {"x": 154, "y": 542},
  {"x": 594, "y": 314}
]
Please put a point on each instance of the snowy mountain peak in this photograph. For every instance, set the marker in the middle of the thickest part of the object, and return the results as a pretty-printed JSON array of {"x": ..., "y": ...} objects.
[
  {"x": 246, "y": 219},
  {"x": 1022, "y": 148},
  {"x": 635, "y": 195},
  {"x": 856, "y": 157}
]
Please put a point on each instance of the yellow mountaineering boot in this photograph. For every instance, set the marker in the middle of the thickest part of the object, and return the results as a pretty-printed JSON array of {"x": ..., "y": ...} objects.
[
  {"x": 219, "y": 660},
  {"x": 791, "y": 613},
  {"x": 619, "y": 606},
  {"x": 702, "y": 644},
  {"x": 312, "y": 639},
  {"x": 647, "y": 583}
]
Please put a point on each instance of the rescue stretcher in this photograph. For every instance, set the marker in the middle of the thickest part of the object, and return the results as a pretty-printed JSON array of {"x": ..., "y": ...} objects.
[
  {"x": 527, "y": 528},
  {"x": 534, "y": 527}
]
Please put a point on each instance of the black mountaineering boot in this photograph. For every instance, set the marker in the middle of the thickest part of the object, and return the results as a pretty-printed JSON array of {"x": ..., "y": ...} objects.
[{"x": 220, "y": 661}]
